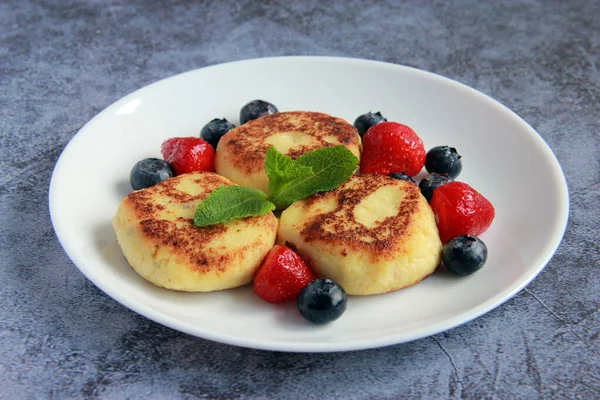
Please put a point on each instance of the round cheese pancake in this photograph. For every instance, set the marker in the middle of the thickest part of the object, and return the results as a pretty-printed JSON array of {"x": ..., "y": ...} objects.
[
  {"x": 373, "y": 234},
  {"x": 156, "y": 232},
  {"x": 241, "y": 152}
]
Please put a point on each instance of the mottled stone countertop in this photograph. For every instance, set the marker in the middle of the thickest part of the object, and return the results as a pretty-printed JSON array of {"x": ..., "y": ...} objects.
[{"x": 62, "y": 61}]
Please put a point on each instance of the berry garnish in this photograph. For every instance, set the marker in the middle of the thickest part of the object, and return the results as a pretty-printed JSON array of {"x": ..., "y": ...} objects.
[
  {"x": 429, "y": 184},
  {"x": 188, "y": 154},
  {"x": 148, "y": 172},
  {"x": 460, "y": 210},
  {"x": 401, "y": 176},
  {"x": 443, "y": 160},
  {"x": 322, "y": 301},
  {"x": 282, "y": 275},
  {"x": 256, "y": 109},
  {"x": 214, "y": 130},
  {"x": 365, "y": 121},
  {"x": 389, "y": 147},
  {"x": 464, "y": 254}
]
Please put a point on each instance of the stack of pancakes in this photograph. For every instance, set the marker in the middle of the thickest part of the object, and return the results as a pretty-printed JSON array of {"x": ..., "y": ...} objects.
[{"x": 373, "y": 234}]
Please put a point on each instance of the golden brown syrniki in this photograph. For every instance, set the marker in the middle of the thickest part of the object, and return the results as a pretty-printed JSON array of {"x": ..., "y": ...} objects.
[
  {"x": 241, "y": 152},
  {"x": 373, "y": 234},
  {"x": 156, "y": 232}
]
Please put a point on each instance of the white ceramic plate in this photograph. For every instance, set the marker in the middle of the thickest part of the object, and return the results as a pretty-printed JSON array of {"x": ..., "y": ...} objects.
[{"x": 503, "y": 158}]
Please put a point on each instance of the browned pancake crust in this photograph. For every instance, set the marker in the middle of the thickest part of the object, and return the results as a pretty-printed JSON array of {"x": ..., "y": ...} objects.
[
  {"x": 381, "y": 242},
  {"x": 183, "y": 238},
  {"x": 247, "y": 146}
]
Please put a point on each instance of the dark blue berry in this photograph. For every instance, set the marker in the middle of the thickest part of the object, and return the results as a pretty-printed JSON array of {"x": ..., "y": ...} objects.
[
  {"x": 402, "y": 176},
  {"x": 256, "y": 109},
  {"x": 214, "y": 130},
  {"x": 432, "y": 182},
  {"x": 149, "y": 172},
  {"x": 464, "y": 254},
  {"x": 322, "y": 301},
  {"x": 365, "y": 121},
  {"x": 443, "y": 160}
]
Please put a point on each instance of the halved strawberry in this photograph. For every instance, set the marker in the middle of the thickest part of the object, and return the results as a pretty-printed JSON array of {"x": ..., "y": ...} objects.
[
  {"x": 461, "y": 210},
  {"x": 392, "y": 147},
  {"x": 282, "y": 275},
  {"x": 188, "y": 154}
]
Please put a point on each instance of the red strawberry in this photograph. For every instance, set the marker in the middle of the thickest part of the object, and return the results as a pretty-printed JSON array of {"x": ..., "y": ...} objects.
[
  {"x": 188, "y": 154},
  {"x": 282, "y": 275},
  {"x": 392, "y": 147},
  {"x": 461, "y": 210}
]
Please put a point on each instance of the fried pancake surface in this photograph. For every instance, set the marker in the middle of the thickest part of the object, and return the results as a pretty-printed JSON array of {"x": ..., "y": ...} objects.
[
  {"x": 373, "y": 234},
  {"x": 240, "y": 155},
  {"x": 156, "y": 232}
]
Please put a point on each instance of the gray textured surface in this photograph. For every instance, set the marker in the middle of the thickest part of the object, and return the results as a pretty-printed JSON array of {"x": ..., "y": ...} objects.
[{"x": 61, "y": 62}]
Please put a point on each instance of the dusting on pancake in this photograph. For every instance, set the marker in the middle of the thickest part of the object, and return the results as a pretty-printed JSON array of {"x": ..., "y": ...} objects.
[
  {"x": 373, "y": 234},
  {"x": 240, "y": 155},
  {"x": 155, "y": 230}
]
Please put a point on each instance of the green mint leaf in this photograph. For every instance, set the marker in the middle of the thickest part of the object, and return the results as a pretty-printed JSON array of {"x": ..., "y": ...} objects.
[
  {"x": 282, "y": 171},
  {"x": 317, "y": 171},
  {"x": 331, "y": 166},
  {"x": 231, "y": 202}
]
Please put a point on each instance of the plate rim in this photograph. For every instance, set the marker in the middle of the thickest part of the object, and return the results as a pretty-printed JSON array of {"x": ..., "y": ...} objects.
[{"x": 347, "y": 345}]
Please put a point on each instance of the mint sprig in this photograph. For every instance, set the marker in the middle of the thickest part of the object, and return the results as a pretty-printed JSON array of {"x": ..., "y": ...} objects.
[
  {"x": 320, "y": 170},
  {"x": 231, "y": 202},
  {"x": 289, "y": 181}
]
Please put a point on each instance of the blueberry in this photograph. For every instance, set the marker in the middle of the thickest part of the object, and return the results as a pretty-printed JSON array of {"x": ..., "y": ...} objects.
[
  {"x": 214, "y": 130},
  {"x": 464, "y": 254},
  {"x": 256, "y": 109},
  {"x": 402, "y": 176},
  {"x": 443, "y": 160},
  {"x": 432, "y": 182},
  {"x": 365, "y": 121},
  {"x": 322, "y": 301},
  {"x": 149, "y": 172}
]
